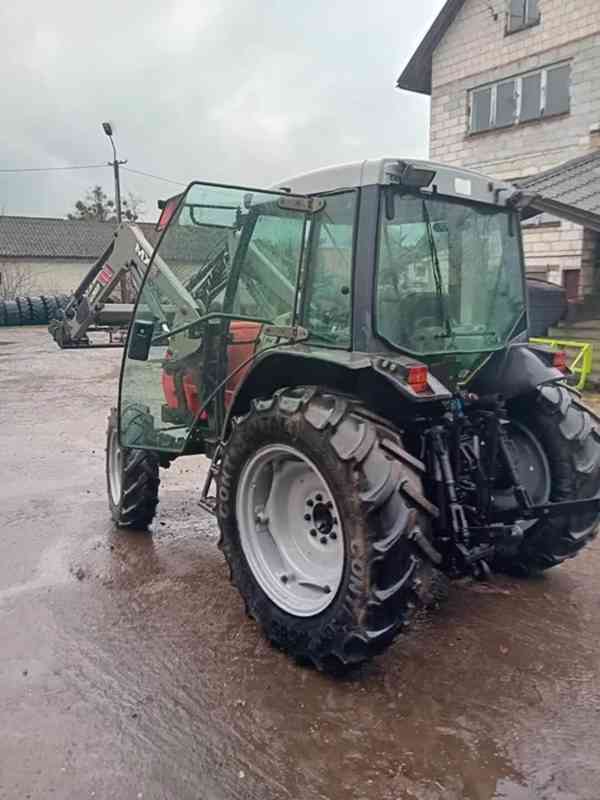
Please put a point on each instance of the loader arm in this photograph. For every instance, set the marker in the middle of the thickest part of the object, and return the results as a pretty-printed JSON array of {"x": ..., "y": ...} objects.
[{"x": 88, "y": 309}]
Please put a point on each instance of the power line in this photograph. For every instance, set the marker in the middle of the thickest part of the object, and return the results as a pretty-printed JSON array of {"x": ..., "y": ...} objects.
[
  {"x": 92, "y": 166},
  {"x": 150, "y": 175},
  {"x": 54, "y": 169}
]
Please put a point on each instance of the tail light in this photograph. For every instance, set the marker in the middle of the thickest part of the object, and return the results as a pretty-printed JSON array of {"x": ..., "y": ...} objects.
[
  {"x": 417, "y": 378},
  {"x": 559, "y": 360}
]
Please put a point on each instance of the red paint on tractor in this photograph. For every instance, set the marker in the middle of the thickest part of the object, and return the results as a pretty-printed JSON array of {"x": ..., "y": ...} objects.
[{"x": 244, "y": 338}]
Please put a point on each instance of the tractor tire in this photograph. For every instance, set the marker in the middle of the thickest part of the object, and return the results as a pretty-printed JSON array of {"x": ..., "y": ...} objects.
[
  {"x": 53, "y": 310},
  {"x": 38, "y": 311},
  {"x": 11, "y": 313},
  {"x": 569, "y": 434},
  {"x": 25, "y": 310},
  {"x": 132, "y": 480},
  {"x": 337, "y": 470}
]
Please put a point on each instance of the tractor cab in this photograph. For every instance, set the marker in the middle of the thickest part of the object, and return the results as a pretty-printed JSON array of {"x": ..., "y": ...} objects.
[{"x": 412, "y": 260}]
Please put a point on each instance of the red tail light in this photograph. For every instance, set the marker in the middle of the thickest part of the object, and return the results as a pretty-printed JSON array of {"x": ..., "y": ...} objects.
[
  {"x": 559, "y": 360},
  {"x": 417, "y": 378}
]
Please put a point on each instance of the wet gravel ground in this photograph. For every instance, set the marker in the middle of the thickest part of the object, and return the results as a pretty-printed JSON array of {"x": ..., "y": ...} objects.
[{"x": 128, "y": 668}]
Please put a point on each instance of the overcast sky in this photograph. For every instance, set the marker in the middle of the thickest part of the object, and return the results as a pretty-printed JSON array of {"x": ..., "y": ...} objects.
[{"x": 247, "y": 92}]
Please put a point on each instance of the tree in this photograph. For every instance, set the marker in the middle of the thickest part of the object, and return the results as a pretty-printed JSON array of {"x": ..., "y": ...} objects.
[
  {"x": 16, "y": 280},
  {"x": 98, "y": 206}
]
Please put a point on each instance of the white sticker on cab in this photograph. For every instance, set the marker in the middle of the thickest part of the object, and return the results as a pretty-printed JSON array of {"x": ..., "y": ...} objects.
[{"x": 462, "y": 186}]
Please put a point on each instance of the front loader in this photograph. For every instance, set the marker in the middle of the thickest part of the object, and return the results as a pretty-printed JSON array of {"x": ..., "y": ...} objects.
[{"x": 358, "y": 370}]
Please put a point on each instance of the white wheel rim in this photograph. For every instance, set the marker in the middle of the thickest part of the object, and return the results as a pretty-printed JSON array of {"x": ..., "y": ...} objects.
[
  {"x": 290, "y": 530},
  {"x": 115, "y": 467}
]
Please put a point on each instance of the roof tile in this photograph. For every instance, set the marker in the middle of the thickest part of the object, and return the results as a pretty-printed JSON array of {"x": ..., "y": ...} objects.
[{"x": 43, "y": 237}]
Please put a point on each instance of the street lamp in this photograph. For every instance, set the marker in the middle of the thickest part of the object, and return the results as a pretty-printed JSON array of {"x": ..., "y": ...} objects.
[{"x": 115, "y": 163}]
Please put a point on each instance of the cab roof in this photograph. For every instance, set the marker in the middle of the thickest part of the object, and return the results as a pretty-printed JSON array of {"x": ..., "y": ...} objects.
[{"x": 447, "y": 180}]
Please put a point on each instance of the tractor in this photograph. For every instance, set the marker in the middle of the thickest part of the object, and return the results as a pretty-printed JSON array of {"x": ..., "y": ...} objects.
[{"x": 350, "y": 350}]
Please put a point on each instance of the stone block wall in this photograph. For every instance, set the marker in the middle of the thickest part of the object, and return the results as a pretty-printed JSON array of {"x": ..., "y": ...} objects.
[{"x": 476, "y": 50}]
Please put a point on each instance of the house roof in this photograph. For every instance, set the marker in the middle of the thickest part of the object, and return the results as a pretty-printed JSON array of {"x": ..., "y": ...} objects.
[
  {"x": 44, "y": 237},
  {"x": 570, "y": 190},
  {"x": 417, "y": 73}
]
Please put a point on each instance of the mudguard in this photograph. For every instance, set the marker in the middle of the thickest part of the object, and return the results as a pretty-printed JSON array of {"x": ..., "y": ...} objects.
[{"x": 516, "y": 371}]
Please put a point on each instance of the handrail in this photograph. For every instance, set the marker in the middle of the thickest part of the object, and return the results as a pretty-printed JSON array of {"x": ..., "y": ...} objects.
[{"x": 582, "y": 364}]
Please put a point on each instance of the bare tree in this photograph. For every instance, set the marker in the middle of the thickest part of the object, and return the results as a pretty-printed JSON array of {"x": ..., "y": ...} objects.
[
  {"x": 16, "y": 280},
  {"x": 98, "y": 206}
]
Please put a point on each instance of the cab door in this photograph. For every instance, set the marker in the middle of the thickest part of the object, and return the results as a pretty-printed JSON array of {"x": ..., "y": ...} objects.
[{"x": 230, "y": 256}]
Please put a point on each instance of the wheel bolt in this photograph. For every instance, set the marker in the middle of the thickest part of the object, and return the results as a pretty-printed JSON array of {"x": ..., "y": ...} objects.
[
  {"x": 310, "y": 503},
  {"x": 333, "y": 535},
  {"x": 307, "y": 517},
  {"x": 329, "y": 504},
  {"x": 323, "y": 540},
  {"x": 284, "y": 578},
  {"x": 313, "y": 532},
  {"x": 318, "y": 498}
]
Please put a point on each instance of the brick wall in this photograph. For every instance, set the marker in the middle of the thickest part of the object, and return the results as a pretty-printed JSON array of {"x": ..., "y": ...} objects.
[{"x": 475, "y": 51}]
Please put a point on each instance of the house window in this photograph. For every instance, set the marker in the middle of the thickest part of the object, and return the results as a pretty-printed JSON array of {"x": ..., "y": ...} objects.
[
  {"x": 558, "y": 98},
  {"x": 535, "y": 95},
  {"x": 481, "y": 109},
  {"x": 522, "y": 14},
  {"x": 506, "y": 103}
]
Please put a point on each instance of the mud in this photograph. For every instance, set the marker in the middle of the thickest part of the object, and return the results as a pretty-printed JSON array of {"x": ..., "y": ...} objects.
[{"x": 128, "y": 668}]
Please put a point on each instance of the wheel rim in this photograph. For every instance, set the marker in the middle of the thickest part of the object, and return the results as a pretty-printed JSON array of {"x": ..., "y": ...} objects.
[
  {"x": 115, "y": 467},
  {"x": 290, "y": 530}
]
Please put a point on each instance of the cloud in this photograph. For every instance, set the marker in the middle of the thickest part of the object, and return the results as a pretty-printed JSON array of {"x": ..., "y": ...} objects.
[{"x": 243, "y": 91}]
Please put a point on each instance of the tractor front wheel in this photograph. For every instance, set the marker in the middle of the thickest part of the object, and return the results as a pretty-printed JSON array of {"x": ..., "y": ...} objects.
[
  {"x": 318, "y": 530},
  {"x": 569, "y": 434},
  {"x": 132, "y": 480}
]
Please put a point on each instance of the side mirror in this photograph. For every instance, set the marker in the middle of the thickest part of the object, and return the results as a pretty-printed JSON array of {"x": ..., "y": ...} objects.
[{"x": 140, "y": 339}]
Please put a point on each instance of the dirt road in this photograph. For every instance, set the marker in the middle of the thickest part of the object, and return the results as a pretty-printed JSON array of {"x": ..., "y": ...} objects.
[{"x": 128, "y": 668}]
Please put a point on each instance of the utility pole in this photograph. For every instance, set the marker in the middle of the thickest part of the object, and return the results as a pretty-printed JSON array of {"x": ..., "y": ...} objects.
[{"x": 115, "y": 164}]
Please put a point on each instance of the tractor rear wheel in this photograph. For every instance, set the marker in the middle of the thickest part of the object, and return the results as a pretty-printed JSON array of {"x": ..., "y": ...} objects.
[
  {"x": 569, "y": 434},
  {"x": 132, "y": 480},
  {"x": 318, "y": 527}
]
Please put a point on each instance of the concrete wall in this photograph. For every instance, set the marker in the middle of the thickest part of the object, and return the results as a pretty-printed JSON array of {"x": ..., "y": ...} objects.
[
  {"x": 475, "y": 51},
  {"x": 41, "y": 277}
]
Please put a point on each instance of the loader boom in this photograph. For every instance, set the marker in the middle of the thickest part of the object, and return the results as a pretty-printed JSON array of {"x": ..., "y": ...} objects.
[
  {"x": 89, "y": 308},
  {"x": 127, "y": 257}
]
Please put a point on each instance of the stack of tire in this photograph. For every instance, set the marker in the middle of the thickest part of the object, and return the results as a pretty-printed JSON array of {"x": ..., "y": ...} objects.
[{"x": 32, "y": 310}]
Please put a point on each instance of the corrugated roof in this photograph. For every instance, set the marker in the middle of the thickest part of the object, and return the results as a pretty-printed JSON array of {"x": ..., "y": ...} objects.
[
  {"x": 417, "y": 73},
  {"x": 44, "y": 237},
  {"x": 570, "y": 190}
]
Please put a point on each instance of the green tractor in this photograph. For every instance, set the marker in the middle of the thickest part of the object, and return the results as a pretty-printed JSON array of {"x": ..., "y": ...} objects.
[{"x": 351, "y": 352}]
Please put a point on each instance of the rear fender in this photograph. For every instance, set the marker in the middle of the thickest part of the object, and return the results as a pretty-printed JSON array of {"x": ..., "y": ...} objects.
[
  {"x": 357, "y": 375},
  {"x": 516, "y": 371}
]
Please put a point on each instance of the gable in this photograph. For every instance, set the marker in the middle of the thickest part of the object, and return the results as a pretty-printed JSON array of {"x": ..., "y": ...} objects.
[{"x": 416, "y": 76}]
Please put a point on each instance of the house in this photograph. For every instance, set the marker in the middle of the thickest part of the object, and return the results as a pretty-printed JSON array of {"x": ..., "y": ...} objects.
[
  {"x": 40, "y": 255},
  {"x": 515, "y": 93}
]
